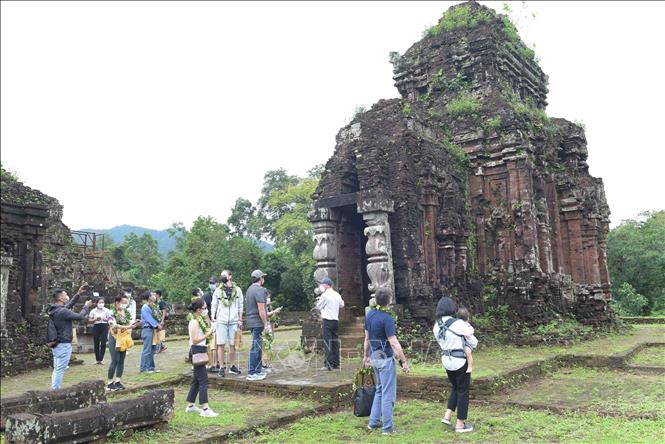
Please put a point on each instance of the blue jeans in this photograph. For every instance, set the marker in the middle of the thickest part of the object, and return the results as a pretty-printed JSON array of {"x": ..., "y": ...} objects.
[
  {"x": 148, "y": 353},
  {"x": 61, "y": 354},
  {"x": 255, "y": 364},
  {"x": 386, "y": 393}
]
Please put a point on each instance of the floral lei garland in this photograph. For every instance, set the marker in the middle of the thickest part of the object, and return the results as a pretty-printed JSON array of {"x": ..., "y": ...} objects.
[
  {"x": 384, "y": 309},
  {"x": 120, "y": 320},
  {"x": 234, "y": 295},
  {"x": 203, "y": 323}
]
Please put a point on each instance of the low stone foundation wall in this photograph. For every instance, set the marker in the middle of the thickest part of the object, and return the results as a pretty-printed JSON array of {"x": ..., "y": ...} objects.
[
  {"x": 81, "y": 395},
  {"x": 93, "y": 422},
  {"x": 643, "y": 320}
]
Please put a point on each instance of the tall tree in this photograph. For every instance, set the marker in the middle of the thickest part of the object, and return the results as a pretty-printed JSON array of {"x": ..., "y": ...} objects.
[{"x": 636, "y": 255}]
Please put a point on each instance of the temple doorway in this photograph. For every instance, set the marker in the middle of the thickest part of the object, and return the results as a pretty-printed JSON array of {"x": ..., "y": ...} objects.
[{"x": 352, "y": 275}]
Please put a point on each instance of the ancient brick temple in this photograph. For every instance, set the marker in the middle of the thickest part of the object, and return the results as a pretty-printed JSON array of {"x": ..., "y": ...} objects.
[
  {"x": 464, "y": 186},
  {"x": 36, "y": 256}
]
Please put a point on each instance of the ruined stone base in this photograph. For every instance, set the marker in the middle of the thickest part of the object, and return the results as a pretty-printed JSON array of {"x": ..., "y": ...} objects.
[
  {"x": 88, "y": 424},
  {"x": 83, "y": 394}
]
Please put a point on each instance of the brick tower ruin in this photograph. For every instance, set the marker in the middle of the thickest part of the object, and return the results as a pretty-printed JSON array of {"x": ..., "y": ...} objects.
[{"x": 465, "y": 187}]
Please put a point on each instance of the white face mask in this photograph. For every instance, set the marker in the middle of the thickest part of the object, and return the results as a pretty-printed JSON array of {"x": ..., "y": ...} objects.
[
  {"x": 123, "y": 306},
  {"x": 100, "y": 305},
  {"x": 212, "y": 287},
  {"x": 204, "y": 312},
  {"x": 322, "y": 288}
]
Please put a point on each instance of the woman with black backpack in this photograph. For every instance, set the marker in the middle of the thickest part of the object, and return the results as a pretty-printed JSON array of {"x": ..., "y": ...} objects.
[{"x": 453, "y": 334}]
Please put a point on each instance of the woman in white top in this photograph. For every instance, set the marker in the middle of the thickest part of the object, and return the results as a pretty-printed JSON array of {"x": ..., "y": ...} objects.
[
  {"x": 99, "y": 316},
  {"x": 453, "y": 358},
  {"x": 199, "y": 331}
]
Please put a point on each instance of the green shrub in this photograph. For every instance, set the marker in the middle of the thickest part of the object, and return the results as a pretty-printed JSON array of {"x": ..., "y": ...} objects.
[
  {"x": 529, "y": 111},
  {"x": 458, "y": 153},
  {"x": 493, "y": 123},
  {"x": 463, "y": 106},
  {"x": 514, "y": 42},
  {"x": 406, "y": 108},
  {"x": 463, "y": 16},
  {"x": 628, "y": 302}
]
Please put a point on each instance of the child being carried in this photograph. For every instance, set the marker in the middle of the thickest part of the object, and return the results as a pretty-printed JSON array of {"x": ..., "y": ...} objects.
[{"x": 463, "y": 314}]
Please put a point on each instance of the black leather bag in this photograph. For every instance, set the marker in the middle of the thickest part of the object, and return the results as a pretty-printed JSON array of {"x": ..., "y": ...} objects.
[{"x": 363, "y": 397}]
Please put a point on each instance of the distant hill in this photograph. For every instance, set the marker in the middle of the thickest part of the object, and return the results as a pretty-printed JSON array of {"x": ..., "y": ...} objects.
[{"x": 166, "y": 243}]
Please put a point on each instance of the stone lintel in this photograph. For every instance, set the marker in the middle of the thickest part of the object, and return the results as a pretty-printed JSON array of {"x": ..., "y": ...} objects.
[
  {"x": 372, "y": 204},
  {"x": 342, "y": 200}
]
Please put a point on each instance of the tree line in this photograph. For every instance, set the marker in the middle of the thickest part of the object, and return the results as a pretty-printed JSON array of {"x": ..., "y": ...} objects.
[{"x": 279, "y": 216}]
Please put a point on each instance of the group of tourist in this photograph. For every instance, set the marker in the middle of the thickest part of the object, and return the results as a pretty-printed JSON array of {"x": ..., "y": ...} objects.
[{"x": 219, "y": 314}]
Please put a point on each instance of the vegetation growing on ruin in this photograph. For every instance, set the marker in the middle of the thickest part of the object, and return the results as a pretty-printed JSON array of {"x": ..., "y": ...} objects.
[
  {"x": 458, "y": 83},
  {"x": 514, "y": 42},
  {"x": 461, "y": 17},
  {"x": 406, "y": 108},
  {"x": 492, "y": 124},
  {"x": 458, "y": 153},
  {"x": 464, "y": 105}
]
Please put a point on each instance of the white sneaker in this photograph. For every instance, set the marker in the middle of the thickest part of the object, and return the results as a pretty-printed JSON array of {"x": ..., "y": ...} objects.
[
  {"x": 208, "y": 413},
  {"x": 260, "y": 376},
  {"x": 192, "y": 409}
]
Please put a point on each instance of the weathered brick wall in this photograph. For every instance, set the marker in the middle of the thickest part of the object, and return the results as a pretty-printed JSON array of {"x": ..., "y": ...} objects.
[{"x": 42, "y": 258}]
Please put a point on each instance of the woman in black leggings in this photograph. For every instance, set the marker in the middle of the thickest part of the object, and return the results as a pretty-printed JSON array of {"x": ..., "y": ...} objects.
[
  {"x": 99, "y": 316},
  {"x": 120, "y": 325},
  {"x": 451, "y": 334},
  {"x": 199, "y": 331}
]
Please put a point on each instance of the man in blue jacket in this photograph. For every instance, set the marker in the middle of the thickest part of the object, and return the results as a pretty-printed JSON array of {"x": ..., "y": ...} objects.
[
  {"x": 61, "y": 316},
  {"x": 149, "y": 327}
]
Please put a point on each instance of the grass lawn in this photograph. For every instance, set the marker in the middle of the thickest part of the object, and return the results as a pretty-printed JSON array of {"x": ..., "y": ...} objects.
[
  {"x": 419, "y": 422},
  {"x": 650, "y": 356},
  {"x": 235, "y": 409},
  {"x": 171, "y": 364},
  {"x": 493, "y": 360},
  {"x": 610, "y": 391}
]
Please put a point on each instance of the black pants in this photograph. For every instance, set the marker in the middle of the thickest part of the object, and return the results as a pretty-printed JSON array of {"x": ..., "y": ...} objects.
[
  {"x": 199, "y": 378},
  {"x": 100, "y": 333},
  {"x": 331, "y": 343},
  {"x": 459, "y": 396}
]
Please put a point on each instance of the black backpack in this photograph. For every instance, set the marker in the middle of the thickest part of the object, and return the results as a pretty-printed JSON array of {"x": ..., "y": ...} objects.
[{"x": 51, "y": 333}]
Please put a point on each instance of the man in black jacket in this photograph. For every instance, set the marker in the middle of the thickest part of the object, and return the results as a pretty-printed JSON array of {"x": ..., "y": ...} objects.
[{"x": 62, "y": 316}]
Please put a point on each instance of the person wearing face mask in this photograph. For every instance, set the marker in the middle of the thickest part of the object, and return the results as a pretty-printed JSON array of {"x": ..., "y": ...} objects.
[
  {"x": 227, "y": 308},
  {"x": 212, "y": 286},
  {"x": 121, "y": 324},
  {"x": 99, "y": 317},
  {"x": 197, "y": 293},
  {"x": 149, "y": 327},
  {"x": 60, "y": 319},
  {"x": 131, "y": 307},
  {"x": 200, "y": 329},
  {"x": 329, "y": 304}
]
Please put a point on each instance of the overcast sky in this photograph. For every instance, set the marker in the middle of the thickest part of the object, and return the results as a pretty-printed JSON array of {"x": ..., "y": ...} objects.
[{"x": 153, "y": 113}]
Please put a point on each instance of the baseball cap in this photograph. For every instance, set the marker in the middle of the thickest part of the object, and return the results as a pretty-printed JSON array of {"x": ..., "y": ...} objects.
[
  {"x": 327, "y": 281},
  {"x": 257, "y": 274}
]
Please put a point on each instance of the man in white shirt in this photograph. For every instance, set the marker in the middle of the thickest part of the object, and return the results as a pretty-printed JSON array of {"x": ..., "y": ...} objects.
[{"x": 329, "y": 304}]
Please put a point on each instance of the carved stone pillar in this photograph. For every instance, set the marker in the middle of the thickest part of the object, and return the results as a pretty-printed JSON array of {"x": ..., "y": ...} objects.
[
  {"x": 325, "y": 247},
  {"x": 378, "y": 248},
  {"x": 5, "y": 264}
]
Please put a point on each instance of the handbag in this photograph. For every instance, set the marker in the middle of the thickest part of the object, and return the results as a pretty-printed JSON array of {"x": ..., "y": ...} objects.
[
  {"x": 363, "y": 396},
  {"x": 199, "y": 359},
  {"x": 123, "y": 340}
]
